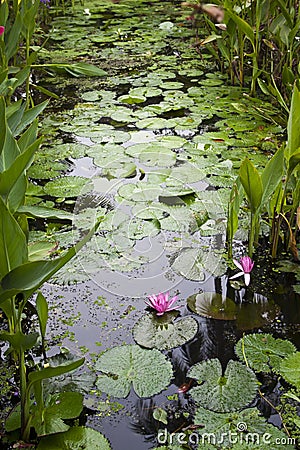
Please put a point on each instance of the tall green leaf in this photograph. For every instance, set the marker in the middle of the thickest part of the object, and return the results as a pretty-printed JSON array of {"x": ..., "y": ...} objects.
[
  {"x": 243, "y": 26},
  {"x": 13, "y": 245},
  {"x": 252, "y": 183},
  {"x": 9, "y": 177},
  {"x": 29, "y": 116},
  {"x": 271, "y": 176},
  {"x": 20, "y": 341},
  {"x": 28, "y": 277},
  {"x": 42, "y": 312},
  {"x": 14, "y": 36},
  {"x": 29, "y": 136},
  {"x": 293, "y": 126},
  {"x": 49, "y": 372}
]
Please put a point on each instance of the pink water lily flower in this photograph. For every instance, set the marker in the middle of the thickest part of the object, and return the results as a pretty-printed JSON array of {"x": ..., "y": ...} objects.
[
  {"x": 245, "y": 265},
  {"x": 2, "y": 29},
  {"x": 161, "y": 303}
]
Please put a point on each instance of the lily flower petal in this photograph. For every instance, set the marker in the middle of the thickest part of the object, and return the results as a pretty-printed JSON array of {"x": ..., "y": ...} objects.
[
  {"x": 247, "y": 278},
  {"x": 161, "y": 303}
]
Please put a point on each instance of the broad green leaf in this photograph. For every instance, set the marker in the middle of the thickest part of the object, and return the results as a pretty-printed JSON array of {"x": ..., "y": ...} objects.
[
  {"x": 74, "y": 439},
  {"x": 161, "y": 415},
  {"x": 29, "y": 136},
  {"x": 68, "y": 186},
  {"x": 66, "y": 405},
  {"x": 243, "y": 427},
  {"x": 147, "y": 370},
  {"x": 263, "y": 352},
  {"x": 45, "y": 213},
  {"x": 140, "y": 192},
  {"x": 13, "y": 245},
  {"x": 41, "y": 250},
  {"x": 243, "y": 26},
  {"x": 294, "y": 161},
  {"x": 20, "y": 341},
  {"x": 219, "y": 392},
  {"x": 42, "y": 312},
  {"x": 293, "y": 126},
  {"x": 290, "y": 369},
  {"x": 49, "y": 372},
  {"x": 163, "y": 332},
  {"x": 193, "y": 263},
  {"x": 271, "y": 175},
  {"x": 252, "y": 184},
  {"x": 14, "y": 36},
  {"x": 28, "y": 277},
  {"x": 10, "y": 176},
  {"x": 76, "y": 69}
]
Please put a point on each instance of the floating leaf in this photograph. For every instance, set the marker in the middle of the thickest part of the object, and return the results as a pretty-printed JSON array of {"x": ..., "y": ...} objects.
[
  {"x": 290, "y": 369},
  {"x": 212, "y": 305},
  {"x": 75, "y": 438},
  {"x": 192, "y": 263},
  {"x": 148, "y": 370},
  {"x": 263, "y": 352},
  {"x": 161, "y": 415},
  {"x": 223, "y": 393},
  {"x": 244, "y": 427},
  {"x": 153, "y": 332},
  {"x": 140, "y": 192},
  {"x": 68, "y": 187}
]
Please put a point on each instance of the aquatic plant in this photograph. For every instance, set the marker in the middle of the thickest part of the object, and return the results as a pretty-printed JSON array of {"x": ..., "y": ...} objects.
[
  {"x": 275, "y": 191},
  {"x": 257, "y": 38},
  {"x": 245, "y": 265},
  {"x": 161, "y": 303}
]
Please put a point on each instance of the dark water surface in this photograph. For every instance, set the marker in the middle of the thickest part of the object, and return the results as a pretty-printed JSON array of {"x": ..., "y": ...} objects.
[{"x": 134, "y": 42}]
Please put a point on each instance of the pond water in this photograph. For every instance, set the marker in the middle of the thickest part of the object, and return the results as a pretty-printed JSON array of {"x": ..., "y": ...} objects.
[{"x": 153, "y": 147}]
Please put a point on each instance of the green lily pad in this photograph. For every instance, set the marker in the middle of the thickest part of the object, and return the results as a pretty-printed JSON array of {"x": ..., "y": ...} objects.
[
  {"x": 263, "y": 352},
  {"x": 244, "y": 426},
  {"x": 192, "y": 263},
  {"x": 140, "y": 192},
  {"x": 212, "y": 305},
  {"x": 223, "y": 393},
  {"x": 75, "y": 438},
  {"x": 147, "y": 370},
  {"x": 290, "y": 369},
  {"x": 179, "y": 219},
  {"x": 131, "y": 99},
  {"x": 151, "y": 332},
  {"x": 155, "y": 123},
  {"x": 138, "y": 229},
  {"x": 68, "y": 187},
  {"x": 162, "y": 157}
]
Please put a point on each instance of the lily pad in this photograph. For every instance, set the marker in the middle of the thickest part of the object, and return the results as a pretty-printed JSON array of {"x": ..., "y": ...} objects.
[
  {"x": 140, "y": 192},
  {"x": 243, "y": 426},
  {"x": 147, "y": 370},
  {"x": 68, "y": 187},
  {"x": 290, "y": 369},
  {"x": 151, "y": 332},
  {"x": 263, "y": 352},
  {"x": 192, "y": 263},
  {"x": 212, "y": 305},
  {"x": 74, "y": 439},
  {"x": 220, "y": 392}
]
